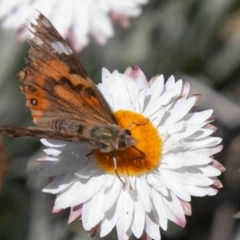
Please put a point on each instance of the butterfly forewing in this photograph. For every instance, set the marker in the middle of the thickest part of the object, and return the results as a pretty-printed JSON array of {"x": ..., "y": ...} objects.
[
  {"x": 64, "y": 102},
  {"x": 56, "y": 85}
]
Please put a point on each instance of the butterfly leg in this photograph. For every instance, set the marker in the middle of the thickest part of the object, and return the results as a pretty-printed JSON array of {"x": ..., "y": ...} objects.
[
  {"x": 89, "y": 154},
  {"x": 115, "y": 167}
]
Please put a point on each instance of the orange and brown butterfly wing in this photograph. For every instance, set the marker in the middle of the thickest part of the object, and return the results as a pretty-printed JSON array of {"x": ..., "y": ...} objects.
[{"x": 58, "y": 90}]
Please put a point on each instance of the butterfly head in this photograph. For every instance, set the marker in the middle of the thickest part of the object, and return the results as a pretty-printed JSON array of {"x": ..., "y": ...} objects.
[{"x": 125, "y": 140}]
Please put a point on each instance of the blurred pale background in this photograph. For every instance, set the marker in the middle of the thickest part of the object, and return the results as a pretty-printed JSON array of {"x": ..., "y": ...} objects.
[{"x": 196, "y": 40}]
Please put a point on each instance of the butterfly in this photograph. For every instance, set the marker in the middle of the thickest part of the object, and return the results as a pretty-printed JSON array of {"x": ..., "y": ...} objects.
[{"x": 65, "y": 103}]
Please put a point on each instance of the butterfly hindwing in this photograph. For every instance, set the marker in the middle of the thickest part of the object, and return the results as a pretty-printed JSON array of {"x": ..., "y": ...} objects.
[{"x": 48, "y": 134}]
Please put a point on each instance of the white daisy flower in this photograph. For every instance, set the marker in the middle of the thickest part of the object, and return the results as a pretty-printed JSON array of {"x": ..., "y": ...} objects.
[
  {"x": 74, "y": 19},
  {"x": 178, "y": 161}
]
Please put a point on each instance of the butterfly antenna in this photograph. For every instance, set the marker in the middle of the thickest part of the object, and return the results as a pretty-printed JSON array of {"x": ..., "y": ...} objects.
[
  {"x": 88, "y": 155},
  {"x": 137, "y": 124}
]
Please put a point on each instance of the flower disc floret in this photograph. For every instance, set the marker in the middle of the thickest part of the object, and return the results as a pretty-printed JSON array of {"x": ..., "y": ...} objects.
[{"x": 130, "y": 161}]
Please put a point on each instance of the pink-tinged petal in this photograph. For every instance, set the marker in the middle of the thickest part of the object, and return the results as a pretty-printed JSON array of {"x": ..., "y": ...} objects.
[
  {"x": 139, "y": 77},
  {"x": 22, "y": 34},
  {"x": 186, "y": 89},
  {"x": 210, "y": 126},
  {"x": 174, "y": 210},
  {"x": 128, "y": 71},
  {"x": 211, "y": 191},
  {"x": 75, "y": 213},
  {"x": 75, "y": 43},
  {"x": 122, "y": 19},
  {"x": 136, "y": 73},
  {"x": 95, "y": 231},
  {"x": 218, "y": 165},
  {"x": 56, "y": 210},
  {"x": 41, "y": 159},
  {"x": 187, "y": 208},
  {"x": 145, "y": 236},
  {"x": 217, "y": 183}
]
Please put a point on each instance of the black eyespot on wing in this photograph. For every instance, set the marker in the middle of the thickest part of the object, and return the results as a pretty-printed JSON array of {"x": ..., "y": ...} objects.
[
  {"x": 34, "y": 102},
  {"x": 31, "y": 88}
]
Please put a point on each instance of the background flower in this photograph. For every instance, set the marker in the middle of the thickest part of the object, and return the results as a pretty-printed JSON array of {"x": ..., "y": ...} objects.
[
  {"x": 74, "y": 19},
  {"x": 178, "y": 161}
]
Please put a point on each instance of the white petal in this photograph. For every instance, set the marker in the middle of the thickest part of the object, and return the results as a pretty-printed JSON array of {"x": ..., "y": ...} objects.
[
  {"x": 87, "y": 206},
  {"x": 59, "y": 183},
  {"x": 143, "y": 195},
  {"x": 210, "y": 171},
  {"x": 152, "y": 229},
  {"x": 170, "y": 83},
  {"x": 208, "y": 151},
  {"x": 88, "y": 189},
  {"x": 198, "y": 117},
  {"x": 172, "y": 182},
  {"x": 49, "y": 143},
  {"x": 160, "y": 208},
  {"x": 122, "y": 235},
  {"x": 156, "y": 88},
  {"x": 52, "y": 151},
  {"x": 180, "y": 109},
  {"x": 95, "y": 215},
  {"x": 138, "y": 220},
  {"x": 111, "y": 194},
  {"x": 127, "y": 213}
]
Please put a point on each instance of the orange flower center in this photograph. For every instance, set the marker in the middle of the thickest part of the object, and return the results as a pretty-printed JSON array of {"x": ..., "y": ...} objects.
[{"x": 134, "y": 161}]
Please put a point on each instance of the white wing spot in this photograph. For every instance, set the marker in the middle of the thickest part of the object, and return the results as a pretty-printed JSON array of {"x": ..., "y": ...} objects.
[
  {"x": 45, "y": 22},
  {"x": 69, "y": 49},
  {"x": 38, "y": 40},
  {"x": 61, "y": 48}
]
